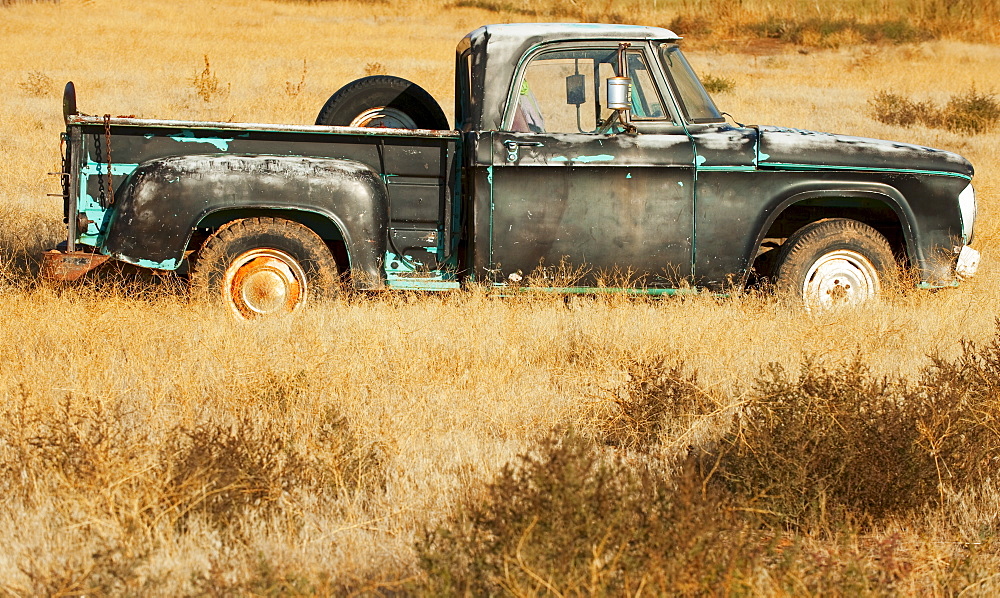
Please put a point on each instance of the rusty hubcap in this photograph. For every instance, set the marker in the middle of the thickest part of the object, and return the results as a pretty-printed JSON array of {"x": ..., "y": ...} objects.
[{"x": 263, "y": 282}]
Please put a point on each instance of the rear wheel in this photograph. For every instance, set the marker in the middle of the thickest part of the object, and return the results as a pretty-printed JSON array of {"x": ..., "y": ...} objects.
[
  {"x": 382, "y": 101},
  {"x": 835, "y": 262},
  {"x": 261, "y": 267}
]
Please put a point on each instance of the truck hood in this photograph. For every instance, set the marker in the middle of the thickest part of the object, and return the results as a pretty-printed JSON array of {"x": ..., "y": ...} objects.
[{"x": 794, "y": 148}]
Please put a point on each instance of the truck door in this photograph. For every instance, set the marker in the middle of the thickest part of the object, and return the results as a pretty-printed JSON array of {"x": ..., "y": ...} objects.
[{"x": 614, "y": 208}]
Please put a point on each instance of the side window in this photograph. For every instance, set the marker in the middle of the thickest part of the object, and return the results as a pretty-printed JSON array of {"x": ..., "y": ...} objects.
[
  {"x": 565, "y": 91},
  {"x": 697, "y": 105}
]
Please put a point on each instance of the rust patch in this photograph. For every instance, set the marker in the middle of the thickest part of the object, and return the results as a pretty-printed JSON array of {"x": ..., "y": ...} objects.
[{"x": 64, "y": 266}]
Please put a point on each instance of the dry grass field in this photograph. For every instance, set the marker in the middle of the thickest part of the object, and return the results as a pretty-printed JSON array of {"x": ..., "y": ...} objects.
[{"x": 468, "y": 443}]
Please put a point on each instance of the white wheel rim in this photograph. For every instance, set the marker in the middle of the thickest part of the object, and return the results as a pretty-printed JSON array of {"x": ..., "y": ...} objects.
[
  {"x": 384, "y": 117},
  {"x": 840, "y": 278},
  {"x": 263, "y": 282}
]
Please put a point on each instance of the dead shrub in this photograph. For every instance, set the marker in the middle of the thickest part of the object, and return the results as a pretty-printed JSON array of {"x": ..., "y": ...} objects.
[
  {"x": 207, "y": 85},
  {"x": 571, "y": 518},
  {"x": 718, "y": 84},
  {"x": 225, "y": 472},
  {"x": 840, "y": 443},
  {"x": 657, "y": 400},
  {"x": 36, "y": 84},
  {"x": 894, "y": 109},
  {"x": 972, "y": 112},
  {"x": 827, "y": 443}
]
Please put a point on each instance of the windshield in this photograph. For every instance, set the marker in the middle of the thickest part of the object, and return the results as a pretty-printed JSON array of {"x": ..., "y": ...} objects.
[{"x": 698, "y": 106}]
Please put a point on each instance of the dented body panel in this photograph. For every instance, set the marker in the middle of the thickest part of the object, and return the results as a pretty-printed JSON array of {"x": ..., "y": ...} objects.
[
  {"x": 673, "y": 201},
  {"x": 347, "y": 197}
]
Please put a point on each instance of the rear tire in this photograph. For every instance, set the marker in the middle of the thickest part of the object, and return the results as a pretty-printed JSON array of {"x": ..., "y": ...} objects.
[
  {"x": 835, "y": 262},
  {"x": 260, "y": 267},
  {"x": 382, "y": 101}
]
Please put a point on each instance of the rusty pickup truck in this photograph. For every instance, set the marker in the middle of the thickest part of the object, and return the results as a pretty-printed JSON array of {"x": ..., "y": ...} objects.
[{"x": 582, "y": 157}]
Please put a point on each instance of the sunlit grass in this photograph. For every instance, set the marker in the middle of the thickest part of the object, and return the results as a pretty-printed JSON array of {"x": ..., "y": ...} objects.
[{"x": 414, "y": 401}]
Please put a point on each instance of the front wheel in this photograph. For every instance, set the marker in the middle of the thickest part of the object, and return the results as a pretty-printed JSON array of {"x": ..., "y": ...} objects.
[
  {"x": 835, "y": 262},
  {"x": 261, "y": 267}
]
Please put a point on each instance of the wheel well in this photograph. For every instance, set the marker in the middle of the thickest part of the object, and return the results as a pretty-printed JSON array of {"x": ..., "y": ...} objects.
[
  {"x": 873, "y": 212},
  {"x": 319, "y": 224}
]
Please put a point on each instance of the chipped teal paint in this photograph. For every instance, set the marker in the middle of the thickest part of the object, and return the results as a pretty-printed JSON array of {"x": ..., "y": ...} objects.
[
  {"x": 728, "y": 168},
  {"x": 406, "y": 265},
  {"x": 763, "y": 157},
  {"x": 628, "y": 176},
  {"x": 422, "y": 284},
  {"x": 489, "y": 175},
  {"x": 601, "y": 291},
  {"x": 170, "y": 264},
  {"x": 699, "y": 160},
  {"x": 789, "y": 166},
  {"x": 189, "y": 137},
  {"x": 681, "y": 183},
  {"x": 95, "y": 168},
  {"x": 926, "y": 286},
  {"x": 584, "y": 159}
]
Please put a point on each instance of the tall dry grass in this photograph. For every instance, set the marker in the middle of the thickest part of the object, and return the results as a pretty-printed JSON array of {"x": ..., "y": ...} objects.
[{"x": 152, "y": 446}]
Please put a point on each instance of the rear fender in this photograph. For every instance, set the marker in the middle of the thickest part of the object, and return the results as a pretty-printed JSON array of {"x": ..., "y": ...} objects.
[{"x": 166, "y": 199}]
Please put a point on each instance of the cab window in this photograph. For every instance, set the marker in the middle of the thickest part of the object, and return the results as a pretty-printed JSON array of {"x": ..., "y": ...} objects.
[
  {"x": 565, "y": 91},
  {"x": 697, "y": 105}
]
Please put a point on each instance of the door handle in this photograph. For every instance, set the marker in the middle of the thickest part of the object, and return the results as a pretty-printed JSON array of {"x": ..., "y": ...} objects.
[{"x": 513, "y": 146}]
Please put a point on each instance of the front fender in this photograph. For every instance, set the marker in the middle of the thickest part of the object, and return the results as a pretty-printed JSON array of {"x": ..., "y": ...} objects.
[
  {"x": 875, "y": 191},
  {"x": 165, "y": 199}
]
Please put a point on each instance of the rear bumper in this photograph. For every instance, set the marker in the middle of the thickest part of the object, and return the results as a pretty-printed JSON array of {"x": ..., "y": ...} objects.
[{"x": 67, "y": 266}]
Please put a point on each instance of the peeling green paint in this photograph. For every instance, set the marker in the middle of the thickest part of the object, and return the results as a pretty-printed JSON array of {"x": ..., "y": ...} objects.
[
  {"x": 95, "y": 168},
  {"x": 728, "y": 168},
  {"x": 628, "y": 176},
  {"x": 170, "y": 264},
  {"x": 790, "y": 166},
  {"x": 189, "y": 137},
  {"x": 422, "y": 284},
  {"x": 699, "y": 160},
  {"x": 584, "y": 159},
  {"x": 603, "y": 290}
]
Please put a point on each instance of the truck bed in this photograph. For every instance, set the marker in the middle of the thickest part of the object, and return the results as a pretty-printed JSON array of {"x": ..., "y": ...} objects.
[{"x": 417, "y": 167}]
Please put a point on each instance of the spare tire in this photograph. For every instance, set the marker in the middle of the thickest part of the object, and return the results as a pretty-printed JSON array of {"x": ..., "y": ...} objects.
[{"x": 382, "y": 101}]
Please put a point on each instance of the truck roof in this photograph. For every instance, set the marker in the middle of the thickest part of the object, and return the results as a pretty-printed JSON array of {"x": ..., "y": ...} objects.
[
  {"x": 520, "y": 32},
  {"x": 498, "y": 48}
]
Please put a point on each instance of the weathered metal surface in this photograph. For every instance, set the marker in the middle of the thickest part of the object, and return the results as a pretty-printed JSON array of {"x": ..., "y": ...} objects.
[
  {"x": 673, "y": 205},
  {"x": 68, "y": 266},
  {"x": 165, "y": 199},
  {"x": 610, "y": 204},
  {"x": 83, "y": 119}
]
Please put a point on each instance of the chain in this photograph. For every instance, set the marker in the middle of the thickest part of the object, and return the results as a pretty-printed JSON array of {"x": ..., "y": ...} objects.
[
  {"x": 101, "y": 196},
  {"x": 107, "y": 143}
]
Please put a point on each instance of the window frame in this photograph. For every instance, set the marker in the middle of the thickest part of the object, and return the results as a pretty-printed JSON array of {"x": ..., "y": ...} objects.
[{"x": 668, "y": 103}]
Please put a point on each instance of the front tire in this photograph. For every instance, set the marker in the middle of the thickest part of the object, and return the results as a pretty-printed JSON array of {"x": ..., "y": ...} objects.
[
  {"x": 260, "y": 267},
  {"x": 835, "y": 262}
]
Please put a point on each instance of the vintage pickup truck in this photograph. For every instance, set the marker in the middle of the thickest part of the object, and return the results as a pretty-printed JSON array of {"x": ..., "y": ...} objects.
[{"x": 582, "y": 157}]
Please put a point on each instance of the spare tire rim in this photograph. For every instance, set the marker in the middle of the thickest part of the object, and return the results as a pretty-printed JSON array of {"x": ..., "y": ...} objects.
[
  {"x": 384, "y": 117},
  {"x": 840, "y": 278},
  {"x": 263, "y": 282}
]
